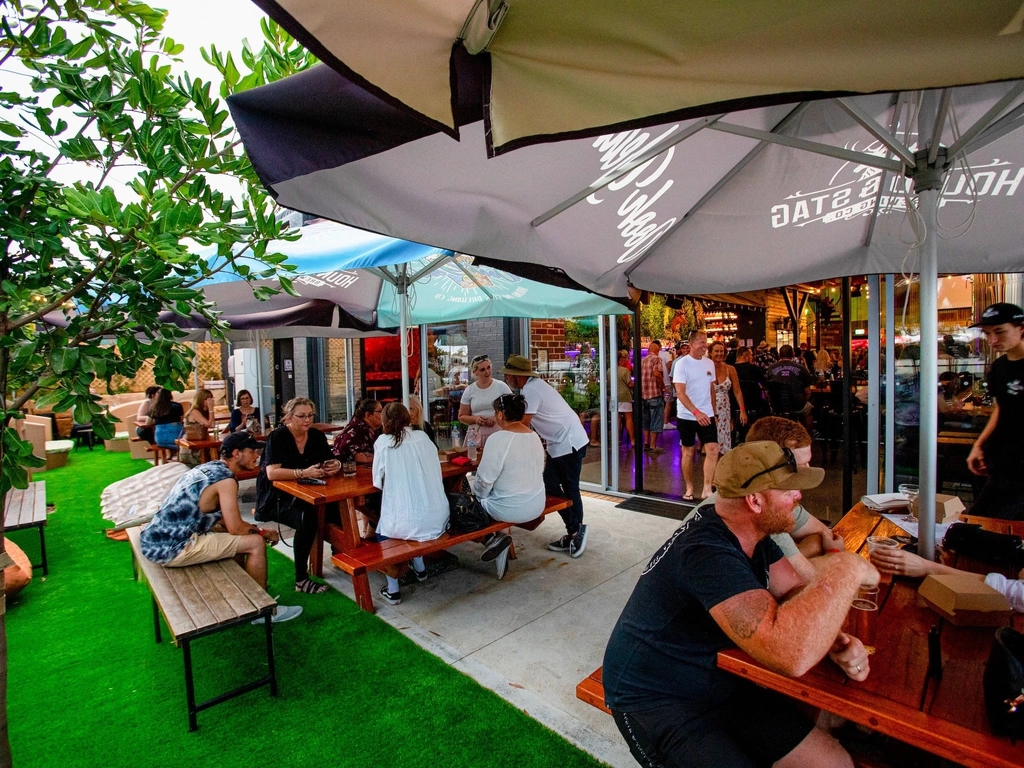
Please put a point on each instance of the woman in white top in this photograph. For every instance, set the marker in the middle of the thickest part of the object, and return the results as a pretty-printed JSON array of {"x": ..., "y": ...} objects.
[
  {"x": 413, "y": 504},
  {"x": 510, "y": 479},
  {"x": 477, "y": 405}
]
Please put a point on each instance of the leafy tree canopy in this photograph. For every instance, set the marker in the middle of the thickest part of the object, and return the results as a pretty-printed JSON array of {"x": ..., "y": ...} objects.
[{"x": 115, "y": 169}]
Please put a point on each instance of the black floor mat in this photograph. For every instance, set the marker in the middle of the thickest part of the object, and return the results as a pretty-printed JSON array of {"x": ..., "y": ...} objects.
[{"x": 671, "y": 510}]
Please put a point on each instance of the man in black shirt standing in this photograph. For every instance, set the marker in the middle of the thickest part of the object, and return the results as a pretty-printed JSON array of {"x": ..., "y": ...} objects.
[
  {"x": 789, "y": 384},
  {"x": 720, "y": 581},
  {"x": 998, "y": 452}
]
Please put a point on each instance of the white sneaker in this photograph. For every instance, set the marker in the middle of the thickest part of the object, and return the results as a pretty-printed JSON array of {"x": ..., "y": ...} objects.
[{"x": 283, "y": 613}]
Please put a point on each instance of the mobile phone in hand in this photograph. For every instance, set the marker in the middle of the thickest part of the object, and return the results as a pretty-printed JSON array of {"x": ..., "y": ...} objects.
[{"x": 311, "y": 481}]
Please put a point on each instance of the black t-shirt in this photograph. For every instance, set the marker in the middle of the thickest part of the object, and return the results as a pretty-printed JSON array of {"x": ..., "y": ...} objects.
[
  {"x": 176, "y": 414},
  {"x": 281, "y": 449},
  {"x": 752, "y": 383},
  {"x": 663, "y": 647},
  {"x": 1006, "y": 385},
  {"x": 788, "y": 380}
]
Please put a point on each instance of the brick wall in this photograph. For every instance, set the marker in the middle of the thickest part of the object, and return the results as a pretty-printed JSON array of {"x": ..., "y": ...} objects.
[
  {"x": 549, "y": 336},
  {"x": 487, "y": 337}
]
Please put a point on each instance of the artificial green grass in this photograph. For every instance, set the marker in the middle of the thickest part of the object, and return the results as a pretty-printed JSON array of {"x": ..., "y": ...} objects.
[{"x": 89, "y": 686}]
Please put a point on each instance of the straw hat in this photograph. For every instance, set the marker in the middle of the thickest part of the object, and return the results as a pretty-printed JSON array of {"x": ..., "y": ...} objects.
[{"x": 517, "y": 365}]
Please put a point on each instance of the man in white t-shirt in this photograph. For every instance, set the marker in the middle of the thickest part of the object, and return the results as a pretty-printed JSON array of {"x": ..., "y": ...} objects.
[
  {"x": 560, "y": 428},
  {"x": 694, "y": 378}
]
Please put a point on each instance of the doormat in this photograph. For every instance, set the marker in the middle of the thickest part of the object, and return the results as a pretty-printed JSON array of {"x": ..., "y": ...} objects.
[
  {"x": 437, "y": 563},
  {"x": 669, "y": 509}
]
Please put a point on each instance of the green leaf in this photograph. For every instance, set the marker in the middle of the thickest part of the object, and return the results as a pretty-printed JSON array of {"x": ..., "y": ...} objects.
[{"x": 63, "y": 359}]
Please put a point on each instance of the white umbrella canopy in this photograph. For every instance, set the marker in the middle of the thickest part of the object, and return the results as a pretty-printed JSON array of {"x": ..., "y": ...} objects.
[
  {"x": 707, "y": 205},
  {"x": 554, "y": 69}
]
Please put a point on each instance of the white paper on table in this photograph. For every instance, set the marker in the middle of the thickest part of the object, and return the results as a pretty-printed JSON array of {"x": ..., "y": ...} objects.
[
  {"x": 882, "y": 501},
  {"x": 911, "y": 527}
]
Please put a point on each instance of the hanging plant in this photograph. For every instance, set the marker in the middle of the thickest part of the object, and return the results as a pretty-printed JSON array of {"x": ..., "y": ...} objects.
[{"x": 652, "y": 317}]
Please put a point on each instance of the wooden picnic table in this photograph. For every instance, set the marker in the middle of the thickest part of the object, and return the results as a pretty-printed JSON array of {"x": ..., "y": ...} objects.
[
  {"x": 26, "y": 508},
  {"x": 328, "y": 428},
  {"x": 209, "y": 449},
  {"x": 349, "y": 490},
  {"x": 945, "y": 716}
]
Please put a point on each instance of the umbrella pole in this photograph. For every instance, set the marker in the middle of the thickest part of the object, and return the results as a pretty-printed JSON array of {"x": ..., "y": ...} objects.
[
  {"x": 929, "y": 408},
  {"x": 403, "y": 299}
]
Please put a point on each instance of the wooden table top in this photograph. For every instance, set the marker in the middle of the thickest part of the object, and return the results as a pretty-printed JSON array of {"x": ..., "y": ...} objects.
[
  {"x": 339, "y": 487},
  {"x": 945, "y": 716}
]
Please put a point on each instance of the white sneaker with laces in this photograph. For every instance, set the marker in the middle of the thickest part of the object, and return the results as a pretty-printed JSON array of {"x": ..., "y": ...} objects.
[{"x": 284, "y": 613}]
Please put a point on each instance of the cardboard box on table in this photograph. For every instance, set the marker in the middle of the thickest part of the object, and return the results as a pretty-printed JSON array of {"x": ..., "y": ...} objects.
[
  {"x": 947, "y": 508},
  {"x": 965, "y": 600}
]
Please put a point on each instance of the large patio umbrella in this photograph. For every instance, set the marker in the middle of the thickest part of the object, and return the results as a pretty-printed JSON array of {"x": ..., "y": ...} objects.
[
  {"x": 350, "y": 283},
  {"x": 921, "y": 180},
  {"x": 559, "y": 69}
]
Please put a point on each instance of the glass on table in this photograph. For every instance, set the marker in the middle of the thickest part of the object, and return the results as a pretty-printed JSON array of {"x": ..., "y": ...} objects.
[
  {"x": 882, "y": 542},
  {"x": 862, "y": 622},
  {"x": 911, "y": 492}
]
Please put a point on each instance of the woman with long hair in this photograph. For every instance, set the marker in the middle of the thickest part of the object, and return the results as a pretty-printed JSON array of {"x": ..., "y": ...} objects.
[
  {"x": 293, "y": 451},
  {"x": 418, "y": 420},
  {"x": 201, "y": 412},
  {"x": 245, "y": 415},
  {"x": 510, "y": 479},
  {"x": 413, "y": 504},
  {"x": 726, "y": 381},
  {"x": 477, "y": 404},
  {"x": 167, "y": 416}
]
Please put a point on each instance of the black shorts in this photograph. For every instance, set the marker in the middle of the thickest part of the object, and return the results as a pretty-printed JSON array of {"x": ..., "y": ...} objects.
[
  {"x": 755, "y": 727},
  {"x": 689, "y": 429}
]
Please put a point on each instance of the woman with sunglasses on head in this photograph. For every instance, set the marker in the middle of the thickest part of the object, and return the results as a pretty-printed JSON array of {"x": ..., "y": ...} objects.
[
  {"x": 295, "y": 450},
  {"x": 477, "y": 406},
  {"x": 510, "y": 479},
  {"x": 413, "y": 502}
]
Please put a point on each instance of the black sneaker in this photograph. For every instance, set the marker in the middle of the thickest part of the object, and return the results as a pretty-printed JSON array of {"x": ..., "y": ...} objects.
[
  {"x": 421, "y": 576},
  {"x": 498, "y": 543},
  {"x": 579, "y": 542},
  {"x": 560, "y": 545},
  {"x": 389, "y": 597}
]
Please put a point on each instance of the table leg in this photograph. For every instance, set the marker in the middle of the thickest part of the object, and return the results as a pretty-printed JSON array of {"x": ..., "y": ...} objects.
[
  {"x": 352, "y": 524},
  {"x": 316, "y": 557}
]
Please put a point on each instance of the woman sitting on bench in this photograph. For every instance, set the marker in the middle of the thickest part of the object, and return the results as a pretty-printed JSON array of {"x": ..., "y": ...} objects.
[
  {"x": 510, "y": 480},
  {"x": 413, "y": 504}
]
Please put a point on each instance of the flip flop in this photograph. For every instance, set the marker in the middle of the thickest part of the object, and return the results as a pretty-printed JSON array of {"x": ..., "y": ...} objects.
[{"x": 687, "y": 497}]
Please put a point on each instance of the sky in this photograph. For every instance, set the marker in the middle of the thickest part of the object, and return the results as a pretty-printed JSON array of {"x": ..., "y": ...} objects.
[{"x": 198, "y": 23}]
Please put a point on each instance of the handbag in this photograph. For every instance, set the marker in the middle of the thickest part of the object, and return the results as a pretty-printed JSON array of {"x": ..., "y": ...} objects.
[
  {"x": 466, "y": 514},
  {"x": 194, "y": 431},
  {"x": 970, "y": 540},
  {"x": 1004, "y": 684}
]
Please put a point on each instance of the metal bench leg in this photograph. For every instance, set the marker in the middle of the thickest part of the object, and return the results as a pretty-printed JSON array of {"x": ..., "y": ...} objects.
[
  {"x": 270, "y": 656},
  {"x": 190, "y": 688},
  {"x": 156, "y": 621},
  {"x": 42, "y": 549}
]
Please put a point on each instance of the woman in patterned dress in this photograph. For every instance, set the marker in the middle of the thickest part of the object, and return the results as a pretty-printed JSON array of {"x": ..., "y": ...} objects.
[{"x": 726, "y": 380}]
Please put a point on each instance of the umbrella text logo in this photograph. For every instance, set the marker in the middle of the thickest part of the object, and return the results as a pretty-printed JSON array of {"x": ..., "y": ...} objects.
[{"x": 638, "y": 223}]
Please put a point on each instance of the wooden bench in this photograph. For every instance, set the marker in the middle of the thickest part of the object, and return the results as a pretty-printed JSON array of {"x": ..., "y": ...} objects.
[
  {"x": 591, "y": 690},
  {"x": 199, "y": 600},
  {"x": 26, "y": 508},
  {"x": 360, "y": 561}
]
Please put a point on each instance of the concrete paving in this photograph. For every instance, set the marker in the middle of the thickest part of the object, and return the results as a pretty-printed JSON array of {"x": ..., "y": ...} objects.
[{"x": 534, "y": 635}]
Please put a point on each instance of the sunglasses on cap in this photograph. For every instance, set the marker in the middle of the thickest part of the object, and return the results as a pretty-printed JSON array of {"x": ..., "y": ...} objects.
[
  {"x": 480, "y": 359},
  {"x": 789, "y": 462}
]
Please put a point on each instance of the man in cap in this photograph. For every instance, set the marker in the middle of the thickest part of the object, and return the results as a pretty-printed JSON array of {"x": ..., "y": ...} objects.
[
  {"x": 998, "y": 452},
  {"x": 566, "y": 441},
  {"x": 721, "y": 581},
  {"x": 200, "y": 522}
]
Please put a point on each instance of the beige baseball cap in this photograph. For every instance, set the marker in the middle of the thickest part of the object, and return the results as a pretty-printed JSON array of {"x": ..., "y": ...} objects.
[{"x": 760, "y": 466}]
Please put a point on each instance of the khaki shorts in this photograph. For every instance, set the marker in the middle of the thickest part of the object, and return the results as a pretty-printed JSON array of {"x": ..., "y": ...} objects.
[{"x": 206, "y": 549}]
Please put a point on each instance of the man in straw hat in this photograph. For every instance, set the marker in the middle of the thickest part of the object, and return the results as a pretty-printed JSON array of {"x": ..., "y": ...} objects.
[
  {"x": 721, "y": 581},
  {"x": 566, "y": 440}
]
